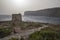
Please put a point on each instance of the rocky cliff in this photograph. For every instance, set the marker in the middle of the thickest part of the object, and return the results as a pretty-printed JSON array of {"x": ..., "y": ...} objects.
[{"x": 50, "y": 12}]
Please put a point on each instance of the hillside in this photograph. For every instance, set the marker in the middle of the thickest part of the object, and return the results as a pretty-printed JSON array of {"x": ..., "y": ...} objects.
[{"x": 50, "y": 12}]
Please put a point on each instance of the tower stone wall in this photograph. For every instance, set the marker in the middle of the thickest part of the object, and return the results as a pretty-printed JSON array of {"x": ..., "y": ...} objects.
[{"x": 16, "y": 19}]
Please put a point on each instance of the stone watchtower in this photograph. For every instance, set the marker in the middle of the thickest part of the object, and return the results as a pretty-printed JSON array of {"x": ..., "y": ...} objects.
[{"x": 16, "y": 19}]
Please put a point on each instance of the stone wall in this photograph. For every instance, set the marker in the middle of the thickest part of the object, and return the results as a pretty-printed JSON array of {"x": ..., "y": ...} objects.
[{"x": 16, "y": 19}]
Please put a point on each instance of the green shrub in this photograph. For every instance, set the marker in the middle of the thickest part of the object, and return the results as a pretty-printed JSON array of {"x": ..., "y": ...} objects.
[
  {"x": 4, "y": 32},
  {"x": 13, "y": 39},
  {"x": 16, "y": 38},
  {"x": 22, "y": 38},
  {"x": 45, "y": 34}
]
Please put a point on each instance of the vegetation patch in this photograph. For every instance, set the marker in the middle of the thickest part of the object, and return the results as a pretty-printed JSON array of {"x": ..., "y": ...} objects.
[
  {"x": 49, "y": 33},
  {"x": 30, "y": 25},
  {"x": 17, "y": 38},
  {"x": 13, "y": 39},
  {"x": 5, "y": 32}
]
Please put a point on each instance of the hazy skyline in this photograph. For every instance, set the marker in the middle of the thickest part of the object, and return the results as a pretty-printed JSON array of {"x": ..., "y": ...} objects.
[{"x": 16, "y": 6}]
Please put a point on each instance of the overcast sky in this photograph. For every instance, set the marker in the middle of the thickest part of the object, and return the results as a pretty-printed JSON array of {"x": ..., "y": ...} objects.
[{"x": 16, "y": 6}]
